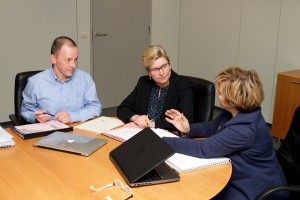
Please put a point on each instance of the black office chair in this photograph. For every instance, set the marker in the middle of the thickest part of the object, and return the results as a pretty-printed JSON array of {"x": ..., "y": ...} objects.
[
  {"x": 288, "y": 156},
  {"x": 20, "y": 84},
  {"x": 204, "y": 99}
]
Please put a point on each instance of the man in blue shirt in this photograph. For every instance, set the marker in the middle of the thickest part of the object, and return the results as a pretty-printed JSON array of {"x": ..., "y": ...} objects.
[{"x": 61, "y": 92}]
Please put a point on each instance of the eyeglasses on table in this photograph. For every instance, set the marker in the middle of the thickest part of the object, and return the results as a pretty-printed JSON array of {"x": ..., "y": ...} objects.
[{"x": 119, "y": 184}]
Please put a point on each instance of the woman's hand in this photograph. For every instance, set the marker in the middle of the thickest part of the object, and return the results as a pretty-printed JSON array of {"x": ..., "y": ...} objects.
[
  {"x": 141, "y": 120},
  {"x": 178, "y": 120}
]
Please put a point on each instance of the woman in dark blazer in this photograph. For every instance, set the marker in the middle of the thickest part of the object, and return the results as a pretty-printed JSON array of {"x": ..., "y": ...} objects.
[
  {"x": 162, "y": 89},
  {"x": 239, "y": 133}
]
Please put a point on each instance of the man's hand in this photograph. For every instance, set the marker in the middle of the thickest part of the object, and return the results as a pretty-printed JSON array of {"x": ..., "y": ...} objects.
[
  {"x": 41, "y": 117},
  {"x": 63, "y": 116}
]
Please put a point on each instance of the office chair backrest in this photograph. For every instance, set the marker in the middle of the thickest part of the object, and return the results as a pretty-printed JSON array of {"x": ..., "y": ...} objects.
[
  {"x": 204, "y": 99},
  {"x": 20, "y": 84},
  {"x": 288, "y": 156},
  {"x": 288, "y": 153}
]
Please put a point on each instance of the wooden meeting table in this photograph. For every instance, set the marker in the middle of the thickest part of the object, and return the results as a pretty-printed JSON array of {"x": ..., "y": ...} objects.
[{"x": 28, "y": 172}]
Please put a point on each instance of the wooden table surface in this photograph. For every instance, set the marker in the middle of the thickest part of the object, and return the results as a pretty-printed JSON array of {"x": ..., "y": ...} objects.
[{"x": 28, "y": 172}]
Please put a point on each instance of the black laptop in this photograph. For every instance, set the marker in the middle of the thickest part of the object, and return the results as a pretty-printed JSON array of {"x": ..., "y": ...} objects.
[{"x": 140, "y": 159}]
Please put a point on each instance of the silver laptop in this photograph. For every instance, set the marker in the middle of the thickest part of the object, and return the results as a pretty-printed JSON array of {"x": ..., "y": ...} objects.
[{"x": 73, "y": 143}]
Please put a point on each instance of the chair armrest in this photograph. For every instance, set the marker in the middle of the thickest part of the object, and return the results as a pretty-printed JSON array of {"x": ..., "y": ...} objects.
[
  {"x": 14, "y": 120},
  {"x": 277, "y": 188}
]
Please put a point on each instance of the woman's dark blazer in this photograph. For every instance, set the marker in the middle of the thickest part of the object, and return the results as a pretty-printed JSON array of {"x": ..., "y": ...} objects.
[{"x": 179, "y": 97}]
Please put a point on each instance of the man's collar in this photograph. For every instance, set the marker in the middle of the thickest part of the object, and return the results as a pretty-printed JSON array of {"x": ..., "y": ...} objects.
[{"x": 57, "y": 79}]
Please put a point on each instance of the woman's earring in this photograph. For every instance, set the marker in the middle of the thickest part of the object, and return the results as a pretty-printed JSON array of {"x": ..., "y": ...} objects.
[{"x": 150, "y": 77}]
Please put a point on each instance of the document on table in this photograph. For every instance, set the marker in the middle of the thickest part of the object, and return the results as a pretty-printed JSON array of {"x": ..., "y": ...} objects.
[
  {"x": 124, "y": 133},
  {"x": 100, "y": 124}
]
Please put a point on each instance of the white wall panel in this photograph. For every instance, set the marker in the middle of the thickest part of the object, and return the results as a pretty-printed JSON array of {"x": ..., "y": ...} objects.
[
  {"x": 165, "y": 27},
  {"x": 209, "y": 37},
  {"x": 258, "y": 43}
]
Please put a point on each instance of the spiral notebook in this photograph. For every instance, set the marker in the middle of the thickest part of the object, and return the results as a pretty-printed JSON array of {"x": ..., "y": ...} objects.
[{"x": 184, "y": 163}]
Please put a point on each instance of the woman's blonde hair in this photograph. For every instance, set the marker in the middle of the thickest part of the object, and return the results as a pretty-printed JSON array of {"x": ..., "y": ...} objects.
[
  {"x": 152, "y": 53},
  {"x": 243, "y": 88}
]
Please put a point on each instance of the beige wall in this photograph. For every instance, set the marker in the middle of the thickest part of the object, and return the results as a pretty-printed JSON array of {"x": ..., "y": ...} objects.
[
  {"x": 84, "y": 44},
  {"x": 165, "y": 27}
]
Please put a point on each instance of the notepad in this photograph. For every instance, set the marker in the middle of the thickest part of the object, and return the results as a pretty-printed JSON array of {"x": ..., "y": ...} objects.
[{"x": 184, "y": 163}]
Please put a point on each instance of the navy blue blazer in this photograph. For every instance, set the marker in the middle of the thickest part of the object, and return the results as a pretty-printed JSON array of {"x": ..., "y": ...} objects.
[{"x": 179, "y": 97}]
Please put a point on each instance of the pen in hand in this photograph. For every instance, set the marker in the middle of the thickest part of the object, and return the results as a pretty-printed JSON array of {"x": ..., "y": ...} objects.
[
  {"x": 49, "y": 114},
  {"x": 146, "y": 123}
]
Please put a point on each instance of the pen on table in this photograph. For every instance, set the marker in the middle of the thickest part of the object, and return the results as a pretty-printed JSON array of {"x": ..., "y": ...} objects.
[
  {"x": 146, "y": 123},
  {"x": 49, "y": 114}
]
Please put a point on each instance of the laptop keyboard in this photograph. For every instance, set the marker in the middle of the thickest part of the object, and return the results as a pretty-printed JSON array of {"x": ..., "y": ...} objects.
[{"x": 150, "y": 176}]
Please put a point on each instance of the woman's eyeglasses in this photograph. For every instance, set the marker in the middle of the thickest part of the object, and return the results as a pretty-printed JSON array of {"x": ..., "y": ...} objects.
[
  {"x": 119, "y": 184},
  {"x": 164, "y": 67}
]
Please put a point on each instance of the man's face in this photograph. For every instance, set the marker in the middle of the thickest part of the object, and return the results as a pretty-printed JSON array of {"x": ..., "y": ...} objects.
[{"x": 64, "y": 62}]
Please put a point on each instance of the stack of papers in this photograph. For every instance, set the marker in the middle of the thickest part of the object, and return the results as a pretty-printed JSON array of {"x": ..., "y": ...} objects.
[{"x": 6, "y": 139}]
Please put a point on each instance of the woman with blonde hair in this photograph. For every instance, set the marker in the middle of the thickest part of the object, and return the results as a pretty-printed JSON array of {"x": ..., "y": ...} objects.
[
  {"x": 161, "y": 89},
  {"x": 239, "y": 133}
]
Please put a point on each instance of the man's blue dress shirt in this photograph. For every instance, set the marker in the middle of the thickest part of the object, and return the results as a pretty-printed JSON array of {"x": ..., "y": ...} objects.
[{"x": 77, "y": 95}]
